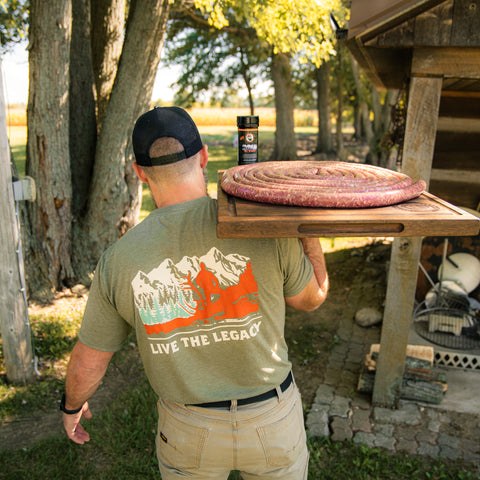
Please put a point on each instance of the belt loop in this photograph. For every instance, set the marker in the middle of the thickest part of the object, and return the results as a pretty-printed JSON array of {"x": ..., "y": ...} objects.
[
  {"x": 233, "y": 406},
  {"x": 279, "y": 393}
]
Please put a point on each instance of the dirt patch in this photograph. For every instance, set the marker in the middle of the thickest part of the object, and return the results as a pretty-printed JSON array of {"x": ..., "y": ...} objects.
[{"x": 24, "y": 432}]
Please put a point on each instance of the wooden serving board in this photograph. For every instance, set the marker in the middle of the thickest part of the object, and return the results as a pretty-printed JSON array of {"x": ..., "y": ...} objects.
[{"x": 426, "y": 215}]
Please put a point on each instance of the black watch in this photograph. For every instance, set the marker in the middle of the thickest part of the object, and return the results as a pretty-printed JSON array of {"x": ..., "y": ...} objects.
[{"x": 65, "y": 410}]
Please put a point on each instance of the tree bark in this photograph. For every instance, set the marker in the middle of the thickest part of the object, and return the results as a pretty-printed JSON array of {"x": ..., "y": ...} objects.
[
  {"x": 324, "y": 137},
  {"x": 83, "y": 129},
  {"x": 108, "y": 23},
  {"x": 114, "y": 200},
  {"x": 48, "y": 162},
  {"x": 285, "y": 142}
]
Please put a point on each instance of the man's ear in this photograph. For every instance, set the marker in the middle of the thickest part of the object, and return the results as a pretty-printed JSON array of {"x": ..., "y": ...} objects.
[
  {"x": 140, "y": 173},
  {"x": 204, "y": 156}
]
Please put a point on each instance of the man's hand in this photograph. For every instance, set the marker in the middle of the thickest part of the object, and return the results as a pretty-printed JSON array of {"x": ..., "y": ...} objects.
[
  {"x": 72, "y": 425},
  {"x": 84, "y": 374}
]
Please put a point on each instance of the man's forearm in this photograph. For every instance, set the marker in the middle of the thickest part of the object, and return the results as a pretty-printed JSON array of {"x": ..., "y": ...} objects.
[
  {"x": 85, "y": 372},
  {"x": 313, "y": 250}
]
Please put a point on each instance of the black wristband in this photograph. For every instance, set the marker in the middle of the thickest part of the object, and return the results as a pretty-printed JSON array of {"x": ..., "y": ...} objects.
[{"x": 65, "y": 410}]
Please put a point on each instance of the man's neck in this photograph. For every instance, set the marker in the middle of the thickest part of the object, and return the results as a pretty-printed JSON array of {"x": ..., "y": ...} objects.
[{"x": 178, "y": 193}]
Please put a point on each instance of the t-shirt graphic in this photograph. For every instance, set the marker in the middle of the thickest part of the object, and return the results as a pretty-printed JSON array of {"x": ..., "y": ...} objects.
[{"x": 195, "y": 290}]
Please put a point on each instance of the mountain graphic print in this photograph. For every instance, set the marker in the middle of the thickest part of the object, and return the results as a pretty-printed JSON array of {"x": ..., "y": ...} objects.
[{"x": 196, "y": 290}]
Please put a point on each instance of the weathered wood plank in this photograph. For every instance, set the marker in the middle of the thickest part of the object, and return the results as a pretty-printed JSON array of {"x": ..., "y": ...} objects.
[
  {"x": 449, "y": 62},
  {"x": 462, "y": 125},
  {"x": 456, "y": 159},
  {"x": 468, "y": 85},
  {"x": 458, "y": 142},
  {"x": 14, "y": 326},
  {"x": 419, "y": 140},
  {"x": 402, "y": 35},
  {"x": 450, "y": 24},
  {"x": 421, "y": 126},
  {"x": 434, "y": 27},
  {"x": 466, "y": 23},
  {"x": 466, "y": 176},
  {"x": 369, "y": 18},
  {"x": 430, "y": 28},
  {"x": 466, "y": 194},
  {"x": 460, "y": 104}
]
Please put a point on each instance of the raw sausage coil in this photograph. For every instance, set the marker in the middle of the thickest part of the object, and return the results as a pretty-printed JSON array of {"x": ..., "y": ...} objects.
[{"x": 330, "y": 184}]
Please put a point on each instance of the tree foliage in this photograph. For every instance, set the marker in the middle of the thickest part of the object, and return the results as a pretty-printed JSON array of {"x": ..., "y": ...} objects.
[
  {"x": 298, "y": 27},
  {"x": 212, "y": 59},
  {"x": 13, "y": 22}
]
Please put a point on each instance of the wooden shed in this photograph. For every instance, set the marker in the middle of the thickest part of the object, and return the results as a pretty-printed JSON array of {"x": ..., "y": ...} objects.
[
  {"x": 431, "y": 48},
  {"x": 396, "y": 40}
]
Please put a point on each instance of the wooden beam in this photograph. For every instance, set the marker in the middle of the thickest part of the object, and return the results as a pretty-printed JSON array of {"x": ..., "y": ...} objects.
[
  {"x": 363, "y": 58},
  {"x": 447, "y": 62},
  {"x": 14, "y": 325},
  {"x": 371, "y": 18},
  {"x": 461, "y": 125},
  {"x": 419, "y": 141}
]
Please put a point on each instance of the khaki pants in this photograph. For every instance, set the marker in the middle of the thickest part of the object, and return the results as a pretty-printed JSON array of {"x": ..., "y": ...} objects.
[{"x": 265, "y": 440}]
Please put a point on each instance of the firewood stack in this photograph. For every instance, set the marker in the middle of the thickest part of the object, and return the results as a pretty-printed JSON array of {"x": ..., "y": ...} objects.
[{"x": 420, "y": 382}]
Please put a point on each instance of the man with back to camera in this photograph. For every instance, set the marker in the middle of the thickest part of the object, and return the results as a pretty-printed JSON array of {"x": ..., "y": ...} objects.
[{"x": 209, "y": 317}]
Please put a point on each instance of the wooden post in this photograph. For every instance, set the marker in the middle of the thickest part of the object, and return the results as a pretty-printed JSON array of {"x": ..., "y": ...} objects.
[
  {"x": 14, "y": 325},
  {"x": 419, "y": 142}
]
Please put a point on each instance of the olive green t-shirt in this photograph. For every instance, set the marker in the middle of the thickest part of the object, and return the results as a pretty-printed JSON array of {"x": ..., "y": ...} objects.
[{"x": 208, "y": 313}]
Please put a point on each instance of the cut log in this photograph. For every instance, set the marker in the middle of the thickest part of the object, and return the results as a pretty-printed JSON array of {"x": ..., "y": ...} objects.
[
  {"x": 412, "y": 388},
  {"x": 419, "y": 381},
  {"x": 423, "y": 352},
  {"x": 413, "y": 366},
  {"x": 418, "y": 362}
]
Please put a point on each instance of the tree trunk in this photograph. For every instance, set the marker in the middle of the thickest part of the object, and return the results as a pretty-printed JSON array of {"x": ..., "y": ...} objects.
[
  {"x": 48, "y": 162},
  {"x": 248, "y": 81},
  {"x": 366, "y": 133},
  {"x": 341, "y": 155},
  {"x": 285, "y": 141},
  {"x": 114, "y": 200},
  {"x": 381, "y": 119},
  {"x": 108, "y": 23},
  {"x": 357, "y": 122},
  {"x": 324, "y": 137},
  {"x": 83, "y": 129}
]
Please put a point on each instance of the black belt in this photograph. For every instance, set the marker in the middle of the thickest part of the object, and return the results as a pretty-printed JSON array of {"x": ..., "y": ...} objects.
[{"x": 247, "y": 401}]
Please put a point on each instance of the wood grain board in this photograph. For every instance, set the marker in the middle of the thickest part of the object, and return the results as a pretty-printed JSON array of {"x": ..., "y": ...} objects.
[{"x": 426, "y": 215}]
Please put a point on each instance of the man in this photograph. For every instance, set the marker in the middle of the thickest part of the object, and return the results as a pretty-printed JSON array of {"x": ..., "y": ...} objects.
[{"x": 209, "y": 318}]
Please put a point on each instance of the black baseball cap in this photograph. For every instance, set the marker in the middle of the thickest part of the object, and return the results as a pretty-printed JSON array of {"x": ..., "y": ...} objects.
[{"x": 165, "y": 122}]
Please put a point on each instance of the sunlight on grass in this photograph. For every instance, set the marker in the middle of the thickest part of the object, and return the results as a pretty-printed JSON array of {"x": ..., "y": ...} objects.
[
  {"x": 17, "y": 138},
  {"x": 53, "y": 336},
  {"x": 335, "y": 244}
]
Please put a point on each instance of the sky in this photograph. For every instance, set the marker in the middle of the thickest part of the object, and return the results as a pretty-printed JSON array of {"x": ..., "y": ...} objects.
[{"x": 15, "y": 78}]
